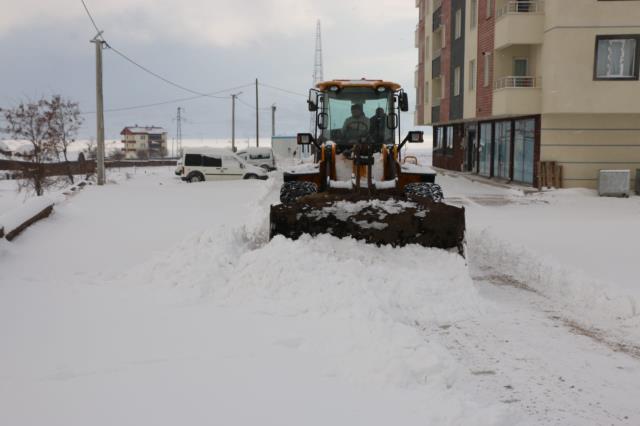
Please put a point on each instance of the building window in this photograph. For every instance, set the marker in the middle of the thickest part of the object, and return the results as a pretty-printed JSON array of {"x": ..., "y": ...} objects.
[
  {"x": 458, "y": 23},
  {"x": 485, "y": 150},
  {"x": 472, "y": 74},
  {"x": 487, "y": 68},
  {"x": 456, "y": 81},
  {"x": 617, "y": 57},
  {"x": 523, "y": 150},
  {"x": 474, "y": 13},
  {"x": 489, "y": 8},
  {"x": 450, "y": 137},
  {"x": 502, "y": 154},
  {"x": 439, "y": 137}
]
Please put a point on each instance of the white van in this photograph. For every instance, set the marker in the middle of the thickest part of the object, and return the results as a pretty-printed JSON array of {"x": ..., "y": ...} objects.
[
  {"x": 261, "y": 157},
  {"x": 199, "y": 165}
]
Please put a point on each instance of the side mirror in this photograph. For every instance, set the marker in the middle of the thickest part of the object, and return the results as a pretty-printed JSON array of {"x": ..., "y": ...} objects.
[
  {"x": 415, "y": 137},
  {"x": 323, "y": 119},
  {"x": 404, "y": 102},
  {"x": 392, "y": 121},
  {"x": 312, "y": 106},
  {"x": 305, "y": 138}
]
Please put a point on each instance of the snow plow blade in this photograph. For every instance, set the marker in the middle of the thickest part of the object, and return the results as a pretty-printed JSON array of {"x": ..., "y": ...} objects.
[{"x": 381, "y": 220}]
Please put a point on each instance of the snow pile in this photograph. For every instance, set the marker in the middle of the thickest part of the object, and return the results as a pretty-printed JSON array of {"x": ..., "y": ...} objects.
[
  {"x": 19, "y": 215},
  {"x": 368, "y": 304}
]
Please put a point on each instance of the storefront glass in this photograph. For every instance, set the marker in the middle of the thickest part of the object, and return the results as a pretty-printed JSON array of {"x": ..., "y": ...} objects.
[
  {"x": 502, "y": 153},
  {"x": 523, "y": 151}
]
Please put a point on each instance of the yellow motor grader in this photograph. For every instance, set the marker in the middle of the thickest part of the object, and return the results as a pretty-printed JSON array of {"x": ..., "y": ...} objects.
[{"x": 356, "y": 186}]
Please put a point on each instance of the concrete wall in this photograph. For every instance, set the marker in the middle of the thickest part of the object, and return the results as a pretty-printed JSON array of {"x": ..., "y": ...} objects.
[
  {"x": 586, "y": 143},
  {"x": 568, "y": 56}
]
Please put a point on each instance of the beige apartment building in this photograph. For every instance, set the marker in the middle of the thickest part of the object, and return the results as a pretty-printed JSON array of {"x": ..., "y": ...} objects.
[
  {"x": 508, "y": 84},
  {"x": 149, "y": 142}
]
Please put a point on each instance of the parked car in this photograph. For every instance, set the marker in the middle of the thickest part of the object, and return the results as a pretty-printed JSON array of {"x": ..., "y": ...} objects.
[
  {"x": 217, "y": 164},
  {"x": 261, "y": 157}
]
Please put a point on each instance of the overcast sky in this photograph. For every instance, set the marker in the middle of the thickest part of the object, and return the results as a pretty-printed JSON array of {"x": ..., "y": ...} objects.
[{"x": 205, "y": 45}]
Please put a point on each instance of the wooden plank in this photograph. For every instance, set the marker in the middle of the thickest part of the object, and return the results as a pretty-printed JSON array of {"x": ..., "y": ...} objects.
[{"x": 11, "y": 235}]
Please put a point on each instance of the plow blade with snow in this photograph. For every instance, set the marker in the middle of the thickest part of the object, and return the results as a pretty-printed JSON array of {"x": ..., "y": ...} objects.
[{"x": 381, "y": 220}]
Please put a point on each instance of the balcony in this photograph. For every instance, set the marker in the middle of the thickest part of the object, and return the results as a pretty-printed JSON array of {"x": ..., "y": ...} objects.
[
  {"x": 437, "y": 19},
  {"x": 435, "y": 112},
  {"x": 514, "y": 95},
  {"x": 436, "y": 67},
  {"x": 519, "y": 22}
]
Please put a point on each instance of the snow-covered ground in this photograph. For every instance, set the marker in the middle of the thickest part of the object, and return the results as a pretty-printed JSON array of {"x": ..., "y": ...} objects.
[{"x": 152, "y": 301}]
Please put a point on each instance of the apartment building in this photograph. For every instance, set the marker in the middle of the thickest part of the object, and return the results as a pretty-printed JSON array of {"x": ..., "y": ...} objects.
[
  {"x": 148, "y": 142},
  {"x": 507, "y": 84}
]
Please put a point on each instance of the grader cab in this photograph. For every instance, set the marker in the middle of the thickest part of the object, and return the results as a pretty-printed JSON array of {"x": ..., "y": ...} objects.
[{"x": 357, "y": 185}]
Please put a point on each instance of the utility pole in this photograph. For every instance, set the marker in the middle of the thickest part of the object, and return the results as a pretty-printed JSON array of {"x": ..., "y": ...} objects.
[
  {"x": 233, "y": 121},
  {"x": 99, "y": 42},
  {"x": 273, "y": 120},
  {"x": 257, "y": 117}
]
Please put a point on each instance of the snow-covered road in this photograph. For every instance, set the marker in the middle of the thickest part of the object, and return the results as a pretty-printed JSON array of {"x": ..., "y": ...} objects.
[{"x": 150, "y": 301}]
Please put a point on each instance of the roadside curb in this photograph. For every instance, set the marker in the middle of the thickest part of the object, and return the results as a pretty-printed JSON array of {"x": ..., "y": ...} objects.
[{"x": 479, "y": 179}]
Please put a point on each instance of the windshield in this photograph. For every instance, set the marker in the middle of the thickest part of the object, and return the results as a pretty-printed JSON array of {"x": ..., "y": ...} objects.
[{"x": 358, "y": 114}]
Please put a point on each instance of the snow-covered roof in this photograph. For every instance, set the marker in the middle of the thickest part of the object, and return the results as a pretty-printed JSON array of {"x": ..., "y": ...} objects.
[
  {"x": 4, "y": 147},
  {"x": 143, "y": 130}
]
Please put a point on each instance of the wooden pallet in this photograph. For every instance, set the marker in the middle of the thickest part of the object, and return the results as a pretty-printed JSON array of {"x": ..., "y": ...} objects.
[{"x": 549, "y": 175}]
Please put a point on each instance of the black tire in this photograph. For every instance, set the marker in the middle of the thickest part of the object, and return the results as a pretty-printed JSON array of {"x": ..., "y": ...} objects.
[
  {"x": 195, "y": 177},
  {"x": 292, "y": 191},
  {"x": 250, "y": 176},
  {"x": 432, "y": 191}
]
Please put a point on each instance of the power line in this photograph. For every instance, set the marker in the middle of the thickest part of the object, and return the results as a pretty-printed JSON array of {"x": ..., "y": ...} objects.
[
  {"x": 282, "y": 90},
  {"x": 158, "y": 76},
  {"x": 142, "y": 67},
  {"x": 172, "y": 101},
  {"x": 90, "y": 17}
]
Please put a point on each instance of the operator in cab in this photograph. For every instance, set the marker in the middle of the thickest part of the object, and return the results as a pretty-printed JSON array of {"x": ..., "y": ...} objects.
[
  {"x": 378, "y": 126},
  {"x": 356, "y": 126}
]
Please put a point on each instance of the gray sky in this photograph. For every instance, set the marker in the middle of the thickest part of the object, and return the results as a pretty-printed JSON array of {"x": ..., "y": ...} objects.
[{"x": 205, "y": 45}]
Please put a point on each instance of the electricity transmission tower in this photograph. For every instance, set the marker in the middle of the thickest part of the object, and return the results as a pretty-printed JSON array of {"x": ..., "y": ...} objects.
[
  {"x": 318, "y": 68},
  {"x": 178, "y": 132}
]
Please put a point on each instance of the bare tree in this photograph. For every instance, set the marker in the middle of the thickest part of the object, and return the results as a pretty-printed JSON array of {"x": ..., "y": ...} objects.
[
  {"x": 116, "y": 154},
  {"x": 32, "y": 121},
  {"x": 65, "y": 125}
]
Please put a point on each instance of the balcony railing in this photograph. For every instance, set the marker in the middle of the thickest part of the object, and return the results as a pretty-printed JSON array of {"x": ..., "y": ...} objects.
[
  {"x": 520, "y": 6},
  {"x": 513, "y": 82}
]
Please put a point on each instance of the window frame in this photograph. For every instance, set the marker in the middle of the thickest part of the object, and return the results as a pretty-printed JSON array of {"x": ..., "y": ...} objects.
[
  {"x": 486, "y": 82},
  {"x": 636, "y": 66},
  {"x": 457, "y": 81},
  {"x": 474, "y": 14},
  {"x": 457, "y": 33},
  {"x": 473, "y": 75}
]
